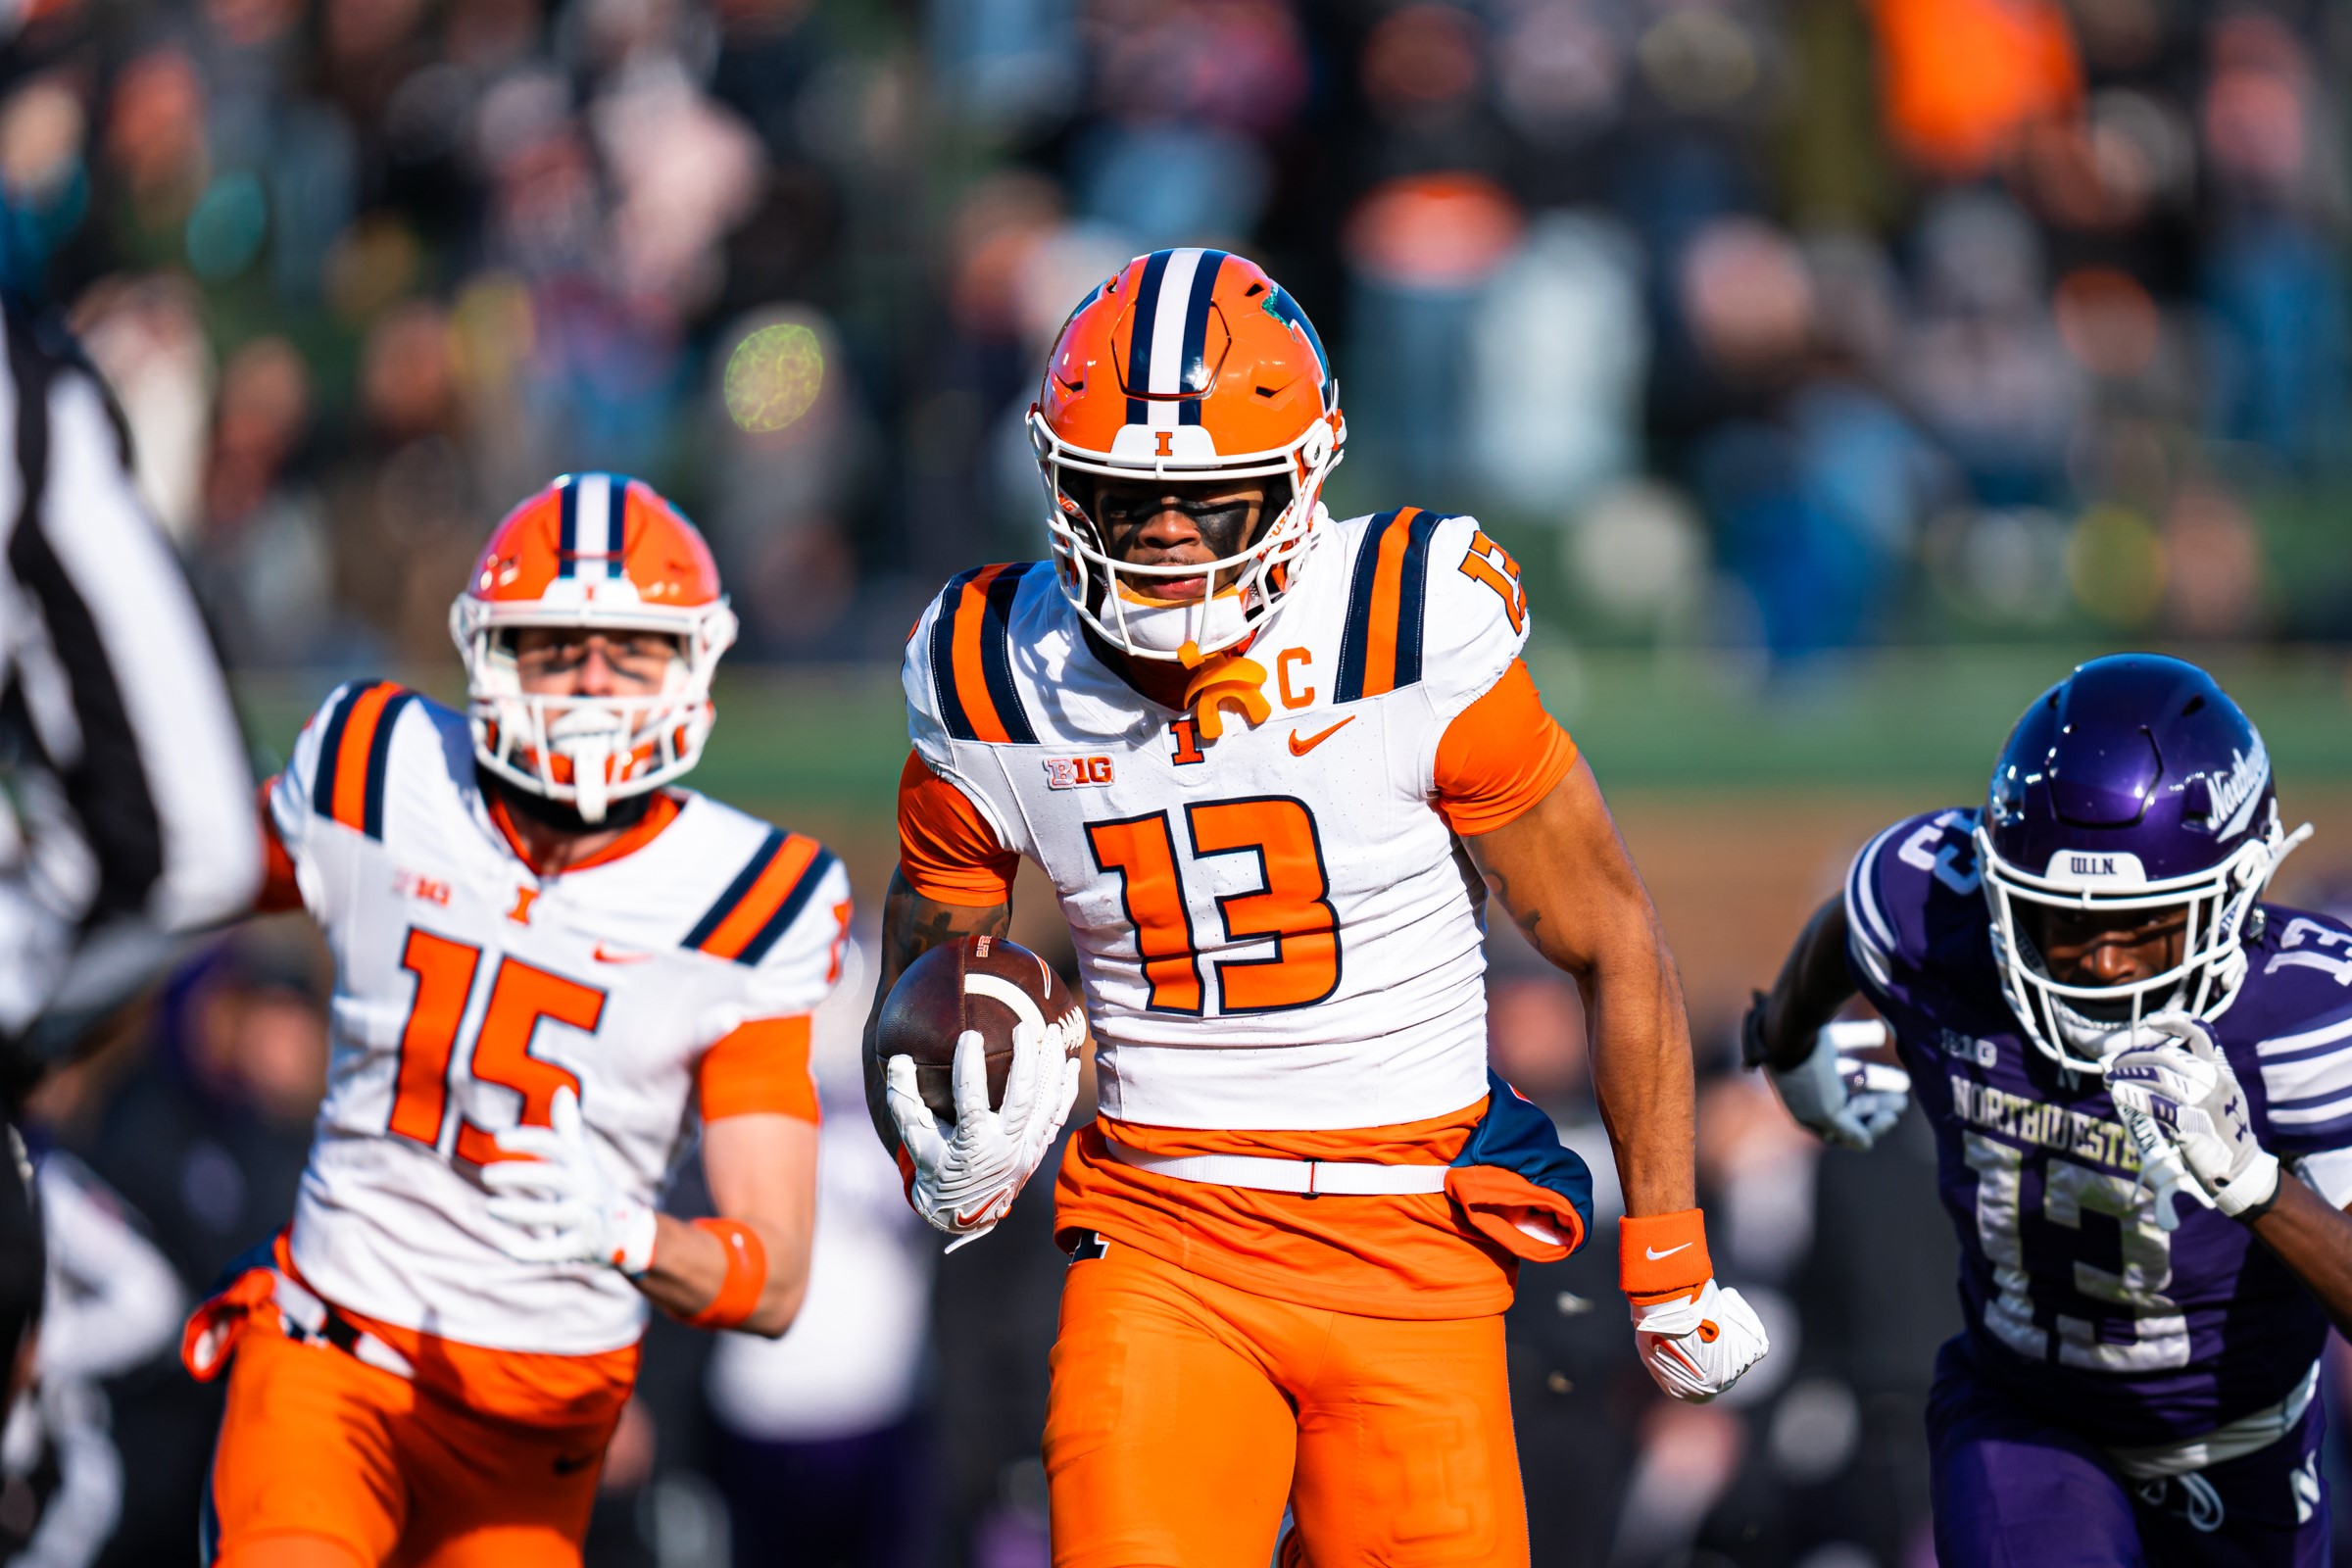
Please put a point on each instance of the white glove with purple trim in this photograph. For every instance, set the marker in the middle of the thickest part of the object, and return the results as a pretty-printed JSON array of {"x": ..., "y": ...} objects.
[
  {"x": 1839, "y": 1094},
  {"x": 2184, "y": 1107}
]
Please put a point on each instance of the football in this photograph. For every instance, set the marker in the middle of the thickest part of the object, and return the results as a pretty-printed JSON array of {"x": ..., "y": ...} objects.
[{"x": 975, "y": 982}]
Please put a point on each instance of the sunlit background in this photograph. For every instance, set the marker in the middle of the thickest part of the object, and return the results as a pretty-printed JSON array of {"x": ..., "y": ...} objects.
[{"x": 1840, "y": 371}]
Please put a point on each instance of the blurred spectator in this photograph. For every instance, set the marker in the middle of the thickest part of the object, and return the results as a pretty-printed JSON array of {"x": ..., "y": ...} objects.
[
  {"x": 1559, "y": 352},
  {"x": 1419, "y": 250},
  {"x": 824, "y": 1453},
  {"x": 208, "y": 1140}
]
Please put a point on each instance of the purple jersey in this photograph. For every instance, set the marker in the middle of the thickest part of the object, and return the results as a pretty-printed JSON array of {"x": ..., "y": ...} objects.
[{"x": 2078, "y": 1306}]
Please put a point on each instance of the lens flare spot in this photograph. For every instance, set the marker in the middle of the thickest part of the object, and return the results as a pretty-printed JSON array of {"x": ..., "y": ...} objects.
[{"x": 773, "y": 378}]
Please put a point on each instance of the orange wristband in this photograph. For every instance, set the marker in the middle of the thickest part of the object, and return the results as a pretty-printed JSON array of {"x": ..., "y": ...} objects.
[
  {"x": 747, "y": 1275},
  {"x": 1660, "y": 1257}
]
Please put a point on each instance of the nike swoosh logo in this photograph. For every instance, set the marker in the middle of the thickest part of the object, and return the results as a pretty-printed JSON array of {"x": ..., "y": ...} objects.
[
  {"x": 1656, "y": 1254},
  {"x": 604, "y": 954},
  {"x": 566, "y": 1463},
  {"x": 1300, "y": 748}
]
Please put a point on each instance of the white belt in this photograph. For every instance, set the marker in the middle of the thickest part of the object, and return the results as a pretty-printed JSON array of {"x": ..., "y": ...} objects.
[
  {"x": 1312, "y": 1177},
  {"x": 2242, "y": 1436},
  {"x": 309, "y": 1318}
]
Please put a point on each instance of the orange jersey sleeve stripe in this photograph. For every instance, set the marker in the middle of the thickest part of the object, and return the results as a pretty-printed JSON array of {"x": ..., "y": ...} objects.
[
  {"x": 971, "y": 660},
  {"x": 947, "y": 851},
  {"x": 280, "y": 891},
  {"x": 355, "y": 754},
  {"x": 762, "y": 900},
  {"x": 1380, "y": 653},
  {"x": 760, "y": 1068},
  {"x": 1501, "y": 756}
]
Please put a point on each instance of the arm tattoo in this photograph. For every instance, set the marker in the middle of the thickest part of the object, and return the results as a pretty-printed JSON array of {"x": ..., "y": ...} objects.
[
  {"x": 1500, "y": 886},
  {"x": 911, "y": 926}
]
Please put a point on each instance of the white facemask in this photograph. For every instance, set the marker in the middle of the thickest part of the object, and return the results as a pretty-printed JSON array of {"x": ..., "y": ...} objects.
[{"x": 1165, "y": 625}]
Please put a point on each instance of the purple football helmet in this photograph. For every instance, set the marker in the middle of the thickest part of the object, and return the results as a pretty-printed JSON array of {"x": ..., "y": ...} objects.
[{"x": 2134, "y": 786}]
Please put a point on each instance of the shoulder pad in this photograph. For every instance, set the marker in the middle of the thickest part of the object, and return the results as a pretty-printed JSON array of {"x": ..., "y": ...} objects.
[
  {"x": 1431, "y": 599},
  {"x": 959, "y": 669},
  {"x": 2292, "y": 1016},
  {"x": 768, "y": 892},
  {"x": 1906, "y": 891},
  {"x": 353, "y": 754},
  {"x": 1381, "y": 647}
]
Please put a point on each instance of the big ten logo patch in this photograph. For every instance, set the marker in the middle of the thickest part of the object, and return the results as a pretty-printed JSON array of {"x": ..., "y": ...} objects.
[
  {"x": 1968, "y": 1047},
  {"x": 416, "y": 885},
  {"x": 1076, "y": 772}
]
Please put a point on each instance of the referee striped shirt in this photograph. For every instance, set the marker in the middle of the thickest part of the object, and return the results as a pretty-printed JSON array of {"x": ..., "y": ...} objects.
[{"x": 129, "y": 812}]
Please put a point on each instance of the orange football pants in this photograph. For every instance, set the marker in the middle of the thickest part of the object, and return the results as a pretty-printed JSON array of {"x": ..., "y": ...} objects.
[
  {"x": 1186, "y": 1414},
  {"x": 326, "y": 1462}
]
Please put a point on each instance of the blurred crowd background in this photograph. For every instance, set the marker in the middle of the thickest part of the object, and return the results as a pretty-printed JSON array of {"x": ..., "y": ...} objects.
[
  {"x": 1779, "y": 323},
  {"x": 1772, "y": 328}
]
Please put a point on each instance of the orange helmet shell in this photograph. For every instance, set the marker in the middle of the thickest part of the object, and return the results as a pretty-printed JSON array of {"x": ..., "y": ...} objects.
[
  {"x": 1186, "y": 357},
  {"x": 596, "y": 551},
  {"x": 594, "y": 542}
]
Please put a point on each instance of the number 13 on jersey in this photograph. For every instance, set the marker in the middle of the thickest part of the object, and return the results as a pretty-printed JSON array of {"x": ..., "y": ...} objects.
[{"x": 1291, "y": 906}]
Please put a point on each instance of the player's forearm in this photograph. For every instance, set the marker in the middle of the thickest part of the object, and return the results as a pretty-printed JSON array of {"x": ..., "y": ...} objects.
[
  {"x": 2315, "y": 1241},
  {"x": 690, "y": 1267},
  {"x": 1570, "y": 886},
  {"x": 1641, "y": 1071},
  {"x": 911, "y": 926},
  {"x": 1813, "y": 983}
]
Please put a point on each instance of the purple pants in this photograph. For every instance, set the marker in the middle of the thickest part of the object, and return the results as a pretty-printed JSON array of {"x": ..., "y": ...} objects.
[{"x": 2012, "y": 1490}]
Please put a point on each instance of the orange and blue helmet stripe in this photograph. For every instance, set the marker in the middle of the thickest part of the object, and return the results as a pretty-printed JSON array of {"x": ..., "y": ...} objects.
[
  {"x": 593, "y": 532},
  {"x": 1167, "y": 345}
]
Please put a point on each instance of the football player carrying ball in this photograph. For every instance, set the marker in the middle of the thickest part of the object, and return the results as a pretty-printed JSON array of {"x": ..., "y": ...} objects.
[{"x": 1263, "y": 758}]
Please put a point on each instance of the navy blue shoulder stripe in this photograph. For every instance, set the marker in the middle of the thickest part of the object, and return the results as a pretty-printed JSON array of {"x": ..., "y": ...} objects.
[
  {"x": 971, "y": 658},
  {"x": 763, "y": 900},
  {"x": 355, "y": 754},
  {"x": 1381, "y": 645}
]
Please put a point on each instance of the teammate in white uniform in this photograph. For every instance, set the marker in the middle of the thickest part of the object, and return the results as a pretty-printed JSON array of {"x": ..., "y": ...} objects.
[
  {"x": 1266, "y": 758},
  {"x": 549, "y": 965}
]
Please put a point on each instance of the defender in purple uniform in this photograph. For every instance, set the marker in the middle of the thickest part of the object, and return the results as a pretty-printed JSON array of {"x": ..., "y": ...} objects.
[{"x": 2145, "y": 1298}]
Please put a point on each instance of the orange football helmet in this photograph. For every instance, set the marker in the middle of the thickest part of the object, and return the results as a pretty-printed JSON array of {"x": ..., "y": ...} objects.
[
  {"x": 1189, "y": 364},
  {"x": 602, "y": 551}
]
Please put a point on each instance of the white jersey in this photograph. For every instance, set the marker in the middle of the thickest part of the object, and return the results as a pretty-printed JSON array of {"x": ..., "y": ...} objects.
[
  {"x": 468, "y": 990},
  {"x": 1277, "y": 928}
]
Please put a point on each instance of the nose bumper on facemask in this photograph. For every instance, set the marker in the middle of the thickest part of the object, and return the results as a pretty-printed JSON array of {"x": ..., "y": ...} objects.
[{"x": 591, "y": 740}]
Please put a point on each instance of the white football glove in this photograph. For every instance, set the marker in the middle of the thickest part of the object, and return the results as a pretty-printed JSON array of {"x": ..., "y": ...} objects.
[
  {"x": 1838, "y": 1093},
  {"x": 2183, "y": 1105},
  {"x": 562, "y": 1204},
  {"x": 965, "y": 1180},
  {"x": 1697, "y": 1345}
]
